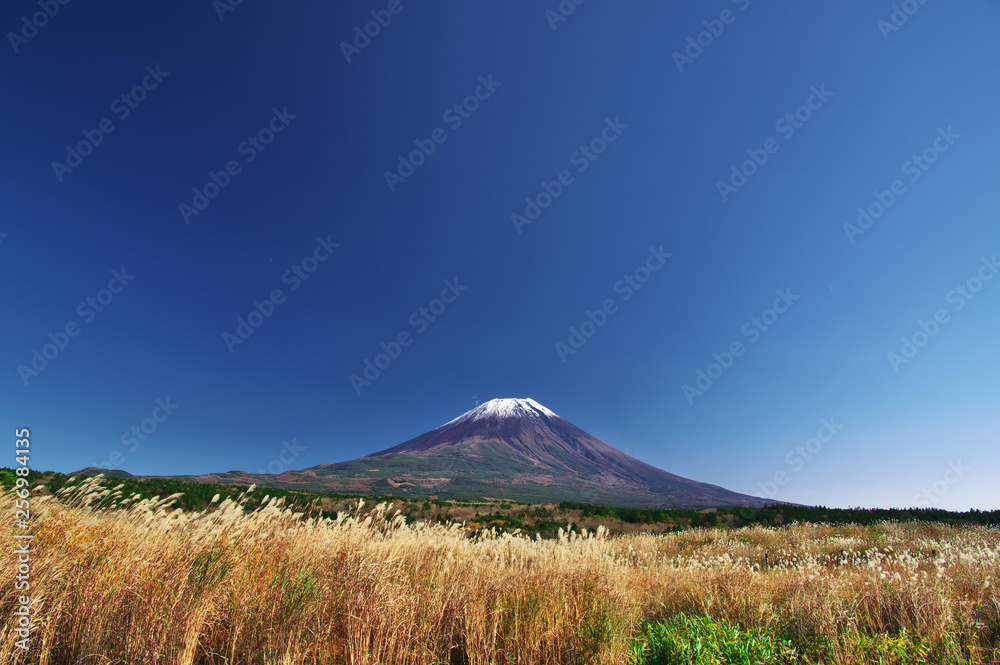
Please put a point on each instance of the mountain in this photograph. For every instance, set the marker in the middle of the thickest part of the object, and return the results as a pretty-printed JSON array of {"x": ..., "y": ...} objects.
[
  {"x": 112, "y": 473},
  {"x": 512, "y": 449}
]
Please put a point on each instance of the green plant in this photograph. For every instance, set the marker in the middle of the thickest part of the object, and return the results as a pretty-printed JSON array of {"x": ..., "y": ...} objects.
[
  {"x": 208, "y": 568},
  {"x": 296, "y": 589},
  {"x": 684, "y": 640}
]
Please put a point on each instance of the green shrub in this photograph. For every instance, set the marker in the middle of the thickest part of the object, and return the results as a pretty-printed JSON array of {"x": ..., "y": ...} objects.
[{"x": 684, "y": 640}]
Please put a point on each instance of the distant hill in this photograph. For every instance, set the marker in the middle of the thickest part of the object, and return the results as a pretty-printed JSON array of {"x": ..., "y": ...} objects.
[{"x": 109, "y": 473}]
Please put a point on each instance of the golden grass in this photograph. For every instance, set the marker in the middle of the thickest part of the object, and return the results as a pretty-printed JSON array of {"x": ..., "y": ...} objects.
[{"x": 148, "y": 584}]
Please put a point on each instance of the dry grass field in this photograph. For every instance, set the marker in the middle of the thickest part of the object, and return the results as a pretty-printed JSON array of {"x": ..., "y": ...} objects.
[{"x": 145, "y": 583}]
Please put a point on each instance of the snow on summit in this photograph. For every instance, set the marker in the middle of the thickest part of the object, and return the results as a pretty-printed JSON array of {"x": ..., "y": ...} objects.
[{"x": 505, "y": 408}]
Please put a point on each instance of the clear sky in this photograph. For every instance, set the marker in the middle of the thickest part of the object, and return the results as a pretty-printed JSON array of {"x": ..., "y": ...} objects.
[{"x": 212, "y": 154}]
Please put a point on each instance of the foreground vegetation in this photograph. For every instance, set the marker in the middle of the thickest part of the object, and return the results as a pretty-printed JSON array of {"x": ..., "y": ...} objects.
[{"x": 137, "y": 581}]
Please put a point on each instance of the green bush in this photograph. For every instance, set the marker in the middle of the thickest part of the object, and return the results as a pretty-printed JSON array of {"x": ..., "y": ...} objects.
[{"x": 684, "y": 640}]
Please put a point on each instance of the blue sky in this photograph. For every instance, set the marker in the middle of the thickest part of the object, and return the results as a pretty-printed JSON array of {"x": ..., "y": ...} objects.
[{"x": 623, "y": 146}]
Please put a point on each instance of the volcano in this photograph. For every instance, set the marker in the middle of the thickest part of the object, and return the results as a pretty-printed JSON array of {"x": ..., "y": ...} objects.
[{"x": 513, "y": 449}]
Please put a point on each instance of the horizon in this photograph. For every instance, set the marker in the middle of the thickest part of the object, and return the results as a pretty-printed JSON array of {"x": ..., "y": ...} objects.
[
  {"x": 751, "y": 245},
  {"x": 379, "y": 498},
  {"x": 294, "y": 448}
]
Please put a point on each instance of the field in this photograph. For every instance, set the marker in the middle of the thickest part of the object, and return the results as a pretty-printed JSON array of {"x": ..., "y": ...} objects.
[{"x": 138, "y": 581}]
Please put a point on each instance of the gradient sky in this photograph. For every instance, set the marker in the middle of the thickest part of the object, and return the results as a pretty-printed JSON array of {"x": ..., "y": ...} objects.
[{"x": 927, "y": 427}]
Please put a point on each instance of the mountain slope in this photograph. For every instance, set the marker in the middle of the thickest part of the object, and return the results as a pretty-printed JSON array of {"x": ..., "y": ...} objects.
[{"x": 515, "y": 449}]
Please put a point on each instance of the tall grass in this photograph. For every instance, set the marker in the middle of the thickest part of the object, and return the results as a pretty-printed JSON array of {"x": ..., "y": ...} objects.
[{"x": 144, "y": 583}]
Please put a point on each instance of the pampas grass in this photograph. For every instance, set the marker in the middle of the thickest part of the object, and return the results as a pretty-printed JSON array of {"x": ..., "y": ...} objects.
[{"x": 144, "y": 583}]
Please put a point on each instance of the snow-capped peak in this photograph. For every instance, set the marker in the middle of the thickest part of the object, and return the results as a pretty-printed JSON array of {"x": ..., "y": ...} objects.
[{"x": 505, "y": 408}]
